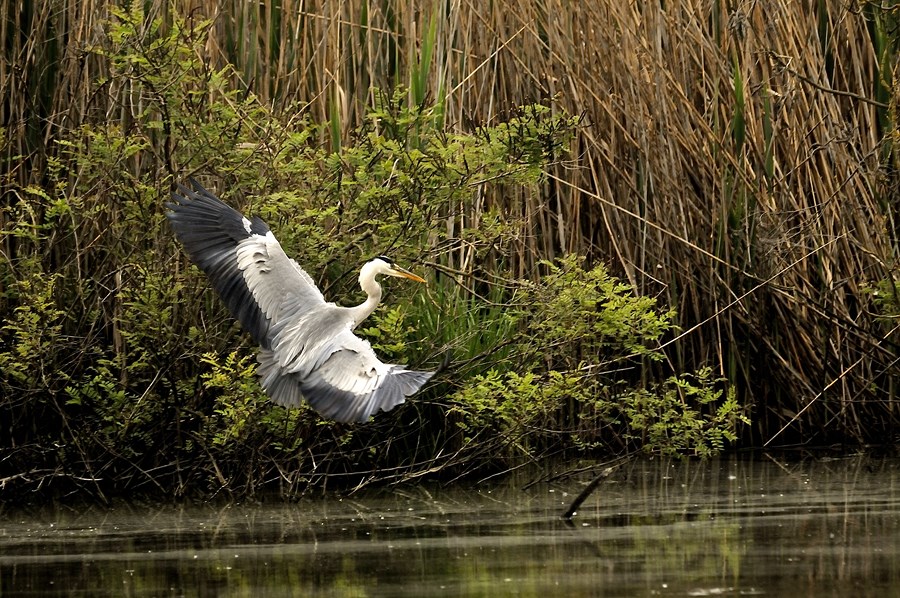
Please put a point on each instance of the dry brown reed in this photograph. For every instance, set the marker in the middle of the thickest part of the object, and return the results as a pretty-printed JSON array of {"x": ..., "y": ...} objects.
[{"x": 732, "y": 159}]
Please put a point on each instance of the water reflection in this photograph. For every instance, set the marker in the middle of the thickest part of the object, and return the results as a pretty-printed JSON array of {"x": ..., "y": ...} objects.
[{"x": 733, "y": 528}]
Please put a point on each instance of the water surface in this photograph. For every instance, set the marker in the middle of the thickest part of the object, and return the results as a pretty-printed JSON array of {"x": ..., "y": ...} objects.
[{"x": 654, "y": 528}]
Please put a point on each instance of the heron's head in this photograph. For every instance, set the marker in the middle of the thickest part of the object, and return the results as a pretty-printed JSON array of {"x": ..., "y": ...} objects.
[{"x": 385, "y": 265}]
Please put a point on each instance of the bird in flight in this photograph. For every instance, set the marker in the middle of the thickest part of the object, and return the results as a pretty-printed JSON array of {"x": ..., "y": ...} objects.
[{"x": 308, "y": 351}]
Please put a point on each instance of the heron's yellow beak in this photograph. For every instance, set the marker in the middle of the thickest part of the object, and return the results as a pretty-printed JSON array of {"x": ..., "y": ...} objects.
[{"x": 404, "y": 273}]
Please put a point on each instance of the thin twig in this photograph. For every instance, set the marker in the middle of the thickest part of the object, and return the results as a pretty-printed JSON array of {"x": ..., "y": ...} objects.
[{"x": 589, "y": 489}]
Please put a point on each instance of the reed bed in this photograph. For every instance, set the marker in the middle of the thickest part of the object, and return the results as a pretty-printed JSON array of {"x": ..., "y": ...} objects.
[{"x": 735, "y": 159}]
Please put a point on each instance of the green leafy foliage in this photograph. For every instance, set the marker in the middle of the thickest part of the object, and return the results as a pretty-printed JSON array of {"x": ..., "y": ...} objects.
[
  {"x": 388, "y": 331},
  {"x": 239, "y": 400},
  {"x": 886, "y": 296},
  {"x": 587, "y": 316},
  {"x": 685, "y": 414},
  {"x": 584, "y": 343},
  {"x": 31, "y": 337}
]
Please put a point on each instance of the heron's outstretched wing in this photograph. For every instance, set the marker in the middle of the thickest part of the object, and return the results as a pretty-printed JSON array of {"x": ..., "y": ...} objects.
[
  {"x": 349, "y": 385},
  {"x": 243, "y": 260}
]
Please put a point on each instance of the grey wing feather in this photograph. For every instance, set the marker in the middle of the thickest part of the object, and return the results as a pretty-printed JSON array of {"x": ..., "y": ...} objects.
[
  {"x": 210, "y": 232},
  {"x": 350, "y": 385},
  {"x": 281, "y": 288},
  {"x": 246, "y": 265}
]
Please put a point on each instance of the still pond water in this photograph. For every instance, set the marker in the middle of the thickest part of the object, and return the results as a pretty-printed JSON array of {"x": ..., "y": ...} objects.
[{"x": 654, "y": 528}]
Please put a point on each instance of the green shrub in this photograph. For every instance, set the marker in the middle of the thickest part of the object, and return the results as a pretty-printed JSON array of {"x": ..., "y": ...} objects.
[
  {"x": 578, "y": 373},
  {"x": 685, "y": 414}
]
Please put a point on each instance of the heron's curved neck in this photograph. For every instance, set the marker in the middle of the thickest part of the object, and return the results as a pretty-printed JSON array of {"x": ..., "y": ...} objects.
[{"x": 371, "y": 287}]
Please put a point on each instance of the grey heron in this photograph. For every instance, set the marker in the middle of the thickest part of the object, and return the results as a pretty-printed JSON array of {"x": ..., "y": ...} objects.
[{"x": 308, "y": 350}]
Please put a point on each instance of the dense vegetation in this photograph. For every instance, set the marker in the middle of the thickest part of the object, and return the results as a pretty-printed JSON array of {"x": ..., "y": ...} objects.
[{"x": 643, "y": 229}]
